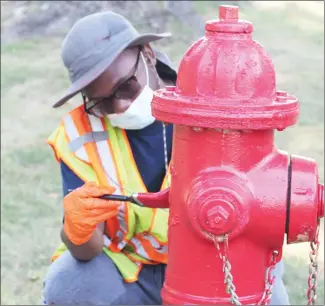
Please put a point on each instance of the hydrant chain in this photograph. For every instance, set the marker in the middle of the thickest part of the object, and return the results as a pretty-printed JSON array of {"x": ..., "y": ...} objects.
[
  {"x": 228, "y": 280},
  {"x": 231, "y": 289},
  {"x": 313, "y": 270},
  {"x": 165, "y": 152},
  {"x": 269, "y": 282}
]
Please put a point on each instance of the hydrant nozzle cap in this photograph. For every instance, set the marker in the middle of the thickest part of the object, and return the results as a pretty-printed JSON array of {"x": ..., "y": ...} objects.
[
  {"x": 321, "y": 201},
  {"x": 228, "y": 21}
]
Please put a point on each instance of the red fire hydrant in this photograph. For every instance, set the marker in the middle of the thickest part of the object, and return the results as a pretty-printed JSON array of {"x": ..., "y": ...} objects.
[{"x": 233, "y": 195}]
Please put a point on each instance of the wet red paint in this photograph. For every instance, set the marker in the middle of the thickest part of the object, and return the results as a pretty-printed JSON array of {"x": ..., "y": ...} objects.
[{"x": 231, "y": 179}]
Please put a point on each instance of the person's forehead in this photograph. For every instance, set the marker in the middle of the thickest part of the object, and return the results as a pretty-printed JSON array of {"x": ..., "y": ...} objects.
[
  {"x": 119, "y": 69},
  {"x": 127, "y": 56}
]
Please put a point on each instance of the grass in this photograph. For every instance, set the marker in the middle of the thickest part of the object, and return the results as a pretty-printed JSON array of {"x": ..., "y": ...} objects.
[{"x": 33, "y": 77}]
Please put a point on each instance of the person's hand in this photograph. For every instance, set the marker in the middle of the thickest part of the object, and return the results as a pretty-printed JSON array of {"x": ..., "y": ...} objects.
[{"x": 83, "y": 211}]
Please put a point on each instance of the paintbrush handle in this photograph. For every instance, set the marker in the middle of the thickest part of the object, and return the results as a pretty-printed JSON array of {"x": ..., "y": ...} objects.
[{"x": 116, "y": 197}]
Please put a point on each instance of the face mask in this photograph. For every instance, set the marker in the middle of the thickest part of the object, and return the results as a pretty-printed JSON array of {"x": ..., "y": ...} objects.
[{"x": 138, "y": 115}]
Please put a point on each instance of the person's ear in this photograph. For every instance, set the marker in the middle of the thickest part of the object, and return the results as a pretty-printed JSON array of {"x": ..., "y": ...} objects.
[{"x": 149, "y": 55}]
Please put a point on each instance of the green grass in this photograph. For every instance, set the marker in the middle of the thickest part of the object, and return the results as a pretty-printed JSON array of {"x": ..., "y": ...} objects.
[
  {"x": 295, "y": 279},
  {"x": 31, "y": 214},
  {"x": 33, "y": 77}
]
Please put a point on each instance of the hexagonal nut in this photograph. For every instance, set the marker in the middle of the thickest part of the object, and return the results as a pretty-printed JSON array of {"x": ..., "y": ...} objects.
[{"x": 217, "y": 217}]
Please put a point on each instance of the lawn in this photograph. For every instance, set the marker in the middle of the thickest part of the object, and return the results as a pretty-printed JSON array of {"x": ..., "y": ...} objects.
[{"x": 32, "y": 77}]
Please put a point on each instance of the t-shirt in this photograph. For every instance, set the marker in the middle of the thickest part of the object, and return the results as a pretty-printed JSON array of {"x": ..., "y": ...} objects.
[{"x": 147, "y": 146}]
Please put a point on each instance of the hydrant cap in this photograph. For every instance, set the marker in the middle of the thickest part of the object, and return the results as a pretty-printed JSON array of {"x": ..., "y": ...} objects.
[{"x": 226, "y": 80}]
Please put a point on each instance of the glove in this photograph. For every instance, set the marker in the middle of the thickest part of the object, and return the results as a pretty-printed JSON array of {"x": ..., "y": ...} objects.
[{"x": 83, "y": 211}]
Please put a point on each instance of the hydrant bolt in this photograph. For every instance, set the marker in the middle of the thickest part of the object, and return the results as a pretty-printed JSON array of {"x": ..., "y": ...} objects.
[
  {"x": 197, "y": 129},
  {"x": 281, "y": 93},
  {"x": 281, "y": 96}
]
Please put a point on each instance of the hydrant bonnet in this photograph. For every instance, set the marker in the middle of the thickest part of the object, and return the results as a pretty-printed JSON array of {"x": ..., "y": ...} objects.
[{"x": 226, "y": 80}]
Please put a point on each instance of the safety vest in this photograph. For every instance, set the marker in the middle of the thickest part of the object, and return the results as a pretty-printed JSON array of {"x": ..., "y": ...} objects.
[{"x": 98, "y": 152}]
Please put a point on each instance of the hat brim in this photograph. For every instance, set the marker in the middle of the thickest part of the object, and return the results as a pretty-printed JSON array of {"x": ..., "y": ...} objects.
[{"x": 98, "y": 69}]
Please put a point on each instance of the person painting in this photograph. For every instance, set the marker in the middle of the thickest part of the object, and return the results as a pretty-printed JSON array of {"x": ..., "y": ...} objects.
[{"x": 113, "y": 253}]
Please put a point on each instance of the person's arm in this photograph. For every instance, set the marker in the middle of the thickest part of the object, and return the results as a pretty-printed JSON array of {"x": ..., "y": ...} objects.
[
  {"x": 88, "y": 250},
  {"x": 93, "y": 247}
]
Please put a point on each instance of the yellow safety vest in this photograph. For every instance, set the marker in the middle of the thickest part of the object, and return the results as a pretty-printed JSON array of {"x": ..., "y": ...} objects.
[{"x": 98, "y": 152}]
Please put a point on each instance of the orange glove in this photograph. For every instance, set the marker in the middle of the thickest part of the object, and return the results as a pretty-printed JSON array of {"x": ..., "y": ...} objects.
[{"x": 83, "y": 211}]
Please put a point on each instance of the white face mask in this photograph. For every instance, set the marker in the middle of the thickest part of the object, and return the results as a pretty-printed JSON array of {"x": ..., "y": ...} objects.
[{"x": 138, "y": 115}]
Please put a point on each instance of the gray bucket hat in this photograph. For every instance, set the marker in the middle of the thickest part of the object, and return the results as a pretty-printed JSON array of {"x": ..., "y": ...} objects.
[{"x": 94, "y": 42}]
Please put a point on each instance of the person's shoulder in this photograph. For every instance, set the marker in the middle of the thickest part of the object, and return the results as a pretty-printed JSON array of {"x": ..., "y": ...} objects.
[
  {"x": 165, "y": 72},
  {"x": 78, "y": 110},
  {"x": 60, "y": 126},
  {"x": 165, "y": 67}
]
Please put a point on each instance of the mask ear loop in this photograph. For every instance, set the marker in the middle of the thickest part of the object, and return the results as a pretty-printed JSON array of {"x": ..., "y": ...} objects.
[{"x": 146, "y": 67}]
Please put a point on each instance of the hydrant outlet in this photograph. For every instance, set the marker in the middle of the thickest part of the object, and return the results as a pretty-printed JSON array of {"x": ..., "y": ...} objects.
[
  {"x": 320, "y": 201},
  {"x": 217, "y": 203},
  {"x": 306, "y": 200}
]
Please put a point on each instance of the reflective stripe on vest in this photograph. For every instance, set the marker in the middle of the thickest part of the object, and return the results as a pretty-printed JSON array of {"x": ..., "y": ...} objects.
[
  {"x": 73, "y": 135},
  {"x": 159, "y": 252},
  {"x": 59, "y": 144},
  {"x": 105, "y": 153},
  {"x": 139, "y": 248},
  {"x": 123, "y": 227},
  {"x": 89, "y": 137}
]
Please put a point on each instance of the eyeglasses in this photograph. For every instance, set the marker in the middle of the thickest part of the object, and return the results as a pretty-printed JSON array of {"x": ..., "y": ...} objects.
[{"x": 127, "y": 90}]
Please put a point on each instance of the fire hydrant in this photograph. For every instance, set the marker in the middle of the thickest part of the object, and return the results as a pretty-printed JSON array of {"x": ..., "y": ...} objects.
[{"x": 233, "y": 195}]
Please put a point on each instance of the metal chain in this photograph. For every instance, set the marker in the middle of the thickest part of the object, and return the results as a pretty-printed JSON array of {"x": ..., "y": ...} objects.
[
  {"x": 226, "y": 268},
  {"x": 165, "y": 152},
  {"x": 229, "y": 280},
  {"x": 313, "y": 269},
  {"x": 269, "y": 281}
]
